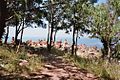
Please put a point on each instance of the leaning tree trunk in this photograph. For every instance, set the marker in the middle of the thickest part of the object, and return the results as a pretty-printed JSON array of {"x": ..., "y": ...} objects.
[
  {"x": 3, "y": 11},
  {"x": 21, "y": 37},
  {"x": 6, "y": 37},
  {"x": 18, "y": 47}
]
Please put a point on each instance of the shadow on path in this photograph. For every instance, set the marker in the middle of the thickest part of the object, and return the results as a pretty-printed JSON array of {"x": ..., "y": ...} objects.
[{"x": 58, "y": 68}]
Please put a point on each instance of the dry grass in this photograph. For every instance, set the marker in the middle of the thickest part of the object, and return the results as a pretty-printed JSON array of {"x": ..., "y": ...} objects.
[
  {"x": 109, "y": 71},
  {"x": 10, "y": 61}
]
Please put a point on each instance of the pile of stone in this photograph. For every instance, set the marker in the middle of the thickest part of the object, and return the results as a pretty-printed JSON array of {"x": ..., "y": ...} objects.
[{"x": 88, "y": 52}]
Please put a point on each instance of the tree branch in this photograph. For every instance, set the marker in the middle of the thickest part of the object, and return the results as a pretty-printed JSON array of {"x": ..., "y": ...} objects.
[
  {"x": 22, "y": 29},
  {"x": 9, "y": 18}
]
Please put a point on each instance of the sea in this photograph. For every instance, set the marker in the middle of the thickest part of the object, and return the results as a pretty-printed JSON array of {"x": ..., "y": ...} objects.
[
  {"x": 36, "y": 34},
  {"x": 82, "y": 40}
]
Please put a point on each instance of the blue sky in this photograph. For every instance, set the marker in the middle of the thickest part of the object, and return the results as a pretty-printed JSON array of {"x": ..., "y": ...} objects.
[
  {"x": 102, "y": 1},
  {"x": 39, "y": 32}
]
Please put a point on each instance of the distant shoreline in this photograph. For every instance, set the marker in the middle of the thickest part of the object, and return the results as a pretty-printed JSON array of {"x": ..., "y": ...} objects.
[{"x": 82, "y": 40}]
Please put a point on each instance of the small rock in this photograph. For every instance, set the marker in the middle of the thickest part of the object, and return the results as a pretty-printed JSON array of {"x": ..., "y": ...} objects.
[
  {"x": 29, "y": 55},
  {"x": 23, "y": 62},
  {"x": 90, "y": 75},
  {"x": 49, "y": 66},
  {"x": 39, "y": 76}
]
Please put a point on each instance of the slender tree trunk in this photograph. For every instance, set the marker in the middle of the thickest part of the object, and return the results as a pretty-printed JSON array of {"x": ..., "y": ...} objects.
[
  {"x": 51, "y": 37},
  {"x": 6, "y": 37},
  {"x": 48, "y": 36},
  {"x": 21, "y": 37},
  {"x": 74, "y": 29},
  {"x": 55, "y": 36},
  {"x": 73, "y": 40},
  {"x": 18, "y": 47},
  {"x": 16, "y": 34},
  {"x": 52, "y": 29},
  {"x": 16, "y": 31},
  {"x": 22, "y": 31},
  {"x": 3, "y": 11},
  {"x": 76, "y": 42}
]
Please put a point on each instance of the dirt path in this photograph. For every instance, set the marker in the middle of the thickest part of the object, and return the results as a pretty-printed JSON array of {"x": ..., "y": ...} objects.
[{"x": 57, "y": 68}]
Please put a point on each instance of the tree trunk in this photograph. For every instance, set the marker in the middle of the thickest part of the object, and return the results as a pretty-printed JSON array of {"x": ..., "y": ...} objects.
[
  {"x": 74, "y": 29},
  {"x": 55, "y": 36},
  {"x": 19, "y": 43},
  {"x": 52, "y": 29},
  {"x": 3, "y": 11},
  {"x": 22, "y": 31},
  {"x": 48, "y": 36},
  {"x": 105, "y": 49},
  {"x": 51, "y": 36},
  {"x": 16, "y": 34},
  {"x": 109, "y": 53},
  {"x": 73, "y": 40},
  {"x": 76, "y": 42},
  {"x": 6, "y": 37},
  {"x": 21, "y": 38}
]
